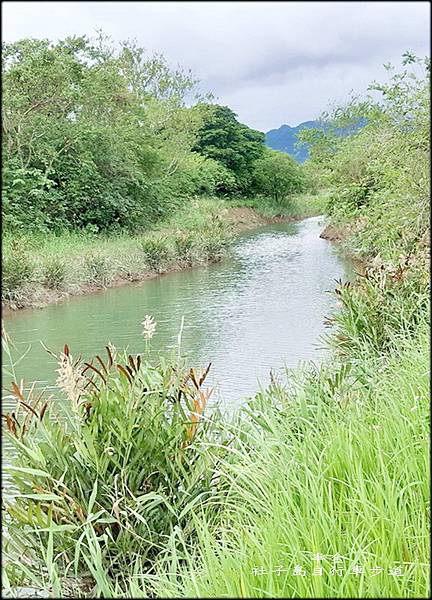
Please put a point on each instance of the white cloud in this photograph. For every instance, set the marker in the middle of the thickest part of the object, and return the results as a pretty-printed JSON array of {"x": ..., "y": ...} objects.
[{"x": 272, "y": 62}]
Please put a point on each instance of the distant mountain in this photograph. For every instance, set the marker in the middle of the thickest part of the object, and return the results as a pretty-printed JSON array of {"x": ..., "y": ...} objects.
[{"x": 285, "y": 138}]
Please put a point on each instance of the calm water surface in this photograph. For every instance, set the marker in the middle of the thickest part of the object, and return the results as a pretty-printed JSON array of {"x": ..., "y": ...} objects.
[{"x": 261, "y": 309}]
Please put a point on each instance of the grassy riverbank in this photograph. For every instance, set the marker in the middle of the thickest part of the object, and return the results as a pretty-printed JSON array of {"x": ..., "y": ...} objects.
[
  {"x": 329, "y": 462},
  {"x": 39, "y": 269},
  {"x": 318, "y": 487},
  {"x": 336, "y": 466}
]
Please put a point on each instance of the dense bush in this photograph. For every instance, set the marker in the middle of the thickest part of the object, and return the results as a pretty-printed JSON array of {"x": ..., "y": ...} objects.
[
  {"x": 379, "y": 176},
  {"x": 278, "y": 175},
  {"x": 126, "y": 469},
  {"x": 91, "y": 135},
  {"x": 99, "y": 137}
]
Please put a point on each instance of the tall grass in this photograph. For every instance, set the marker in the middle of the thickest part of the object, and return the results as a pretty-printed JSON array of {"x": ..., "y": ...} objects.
[
  {"x": 326, "y": 493},
  {"x": 296, "y": 206}
]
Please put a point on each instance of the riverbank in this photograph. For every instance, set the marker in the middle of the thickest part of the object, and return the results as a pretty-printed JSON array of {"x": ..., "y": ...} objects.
[
  {"x": 40, "y": 270},
  {"x": 328, "y": 462},
  {"x": 328, "y": 471}
]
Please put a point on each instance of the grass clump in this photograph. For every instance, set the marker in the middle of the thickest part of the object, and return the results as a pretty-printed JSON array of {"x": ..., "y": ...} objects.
[
  {"x": 17, "y": 270},
  {"x": 114, "y": 477},
  {"x": 97, "y": 269},
  {"x": 157, "y": 252},
  {"x": 54, "y": 273}
]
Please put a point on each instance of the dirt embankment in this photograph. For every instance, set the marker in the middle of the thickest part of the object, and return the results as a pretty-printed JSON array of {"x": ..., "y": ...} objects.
[{"x": 332, "y": 233}]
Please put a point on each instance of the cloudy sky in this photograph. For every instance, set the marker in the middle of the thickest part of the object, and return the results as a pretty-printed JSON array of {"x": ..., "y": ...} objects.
[{"x": 271, "y": 62}]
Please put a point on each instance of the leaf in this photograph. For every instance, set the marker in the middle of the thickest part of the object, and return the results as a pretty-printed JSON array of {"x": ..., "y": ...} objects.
[
  {"x": 193, "y": 377},
  {"x": 93, "y": 497},
  {"x": 10, "y": 424},
  {"x": 56, "y": 528},
  {"x": 102, "y": 364},
  {"x": 28, "y": 407},
  {"x": 110, "y": 357},
  {"x": 77, "y": 553},
  {"x": 204, "y": 375},
  {"x": 45, "y": 497},
  {"x": 132, "y": 362},
  {"x": 28, "y": 471},
  {"x": 43, "y": 410},
  {"x": 17, "y": 392},
  {"x": 124, "y": 372},
  {"x": 90, "y": 366}
]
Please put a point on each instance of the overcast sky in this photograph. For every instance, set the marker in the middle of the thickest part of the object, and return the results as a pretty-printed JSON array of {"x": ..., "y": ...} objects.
[{"x": 271, "y": 62}]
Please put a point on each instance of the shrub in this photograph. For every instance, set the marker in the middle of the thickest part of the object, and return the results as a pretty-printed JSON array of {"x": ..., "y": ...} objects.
[
  {"x": 184, "y": 245},
  {"x": 156, "y": 252},
  {"x": 54, "y": 273},
  {"x": 17, "y": 270},
  {"x": 388, "y": 300},
  {"x": 97, "y": 270},
  {"x": 121, "y": 476}
]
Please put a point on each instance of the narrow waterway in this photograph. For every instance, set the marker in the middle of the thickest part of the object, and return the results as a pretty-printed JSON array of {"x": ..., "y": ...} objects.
[{"x": 261, "y": 309}]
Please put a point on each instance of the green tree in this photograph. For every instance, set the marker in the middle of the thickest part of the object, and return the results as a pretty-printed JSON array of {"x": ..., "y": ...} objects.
[
  {"x": 380, "y": 175},
  {"x": 278, "y": 175},
  {"x": 231, "y": 143},
  {"x": 91, "y": 135}
]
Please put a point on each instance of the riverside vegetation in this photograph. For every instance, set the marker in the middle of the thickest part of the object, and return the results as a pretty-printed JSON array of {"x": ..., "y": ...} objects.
[
  {"x": 40, "y": 268},
  {"x": 106, "y": 152},
  {"x": 318, "y": 487}
]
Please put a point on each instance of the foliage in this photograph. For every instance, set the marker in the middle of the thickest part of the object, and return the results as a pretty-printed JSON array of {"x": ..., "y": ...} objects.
[
  {"x": 388, "y": 299},
  {"x": 91, "y": 135},
  {"x": 234, "y": 145},
  {"x": 156, "y": 252},
  {"x": 278, "y": 175},
  {"x": 124, "y": 467},
  {"x": 333, "y": 462},
  {"x": 380, "y": 175},
  {"x": 100, "y": 137},
  {"x": 67, "y": 262},
  {"x": 299, "y": 206},
  {"x": 54, "y": 273},
  {"x": 17, "y": 269},
  {"x": 96, "y": 268},
  {"x": 329, "y": 465}
]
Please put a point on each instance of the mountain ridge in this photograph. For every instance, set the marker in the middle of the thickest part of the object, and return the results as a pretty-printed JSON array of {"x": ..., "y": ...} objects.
[{"x": 284, "y": 139}]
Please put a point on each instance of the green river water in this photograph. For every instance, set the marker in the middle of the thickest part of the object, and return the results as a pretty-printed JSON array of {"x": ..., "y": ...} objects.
[{"x": 262, "y": 308}]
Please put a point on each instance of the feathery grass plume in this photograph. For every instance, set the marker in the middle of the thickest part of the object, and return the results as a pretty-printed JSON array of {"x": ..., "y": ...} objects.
[
  {"x": 149, "y": 327},
  {"x": 70, "y": 379}
]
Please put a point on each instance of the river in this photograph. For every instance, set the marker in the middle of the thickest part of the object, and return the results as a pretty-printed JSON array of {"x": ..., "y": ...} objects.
[{"x": 260, "y": 309}]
